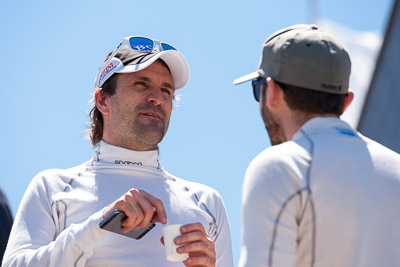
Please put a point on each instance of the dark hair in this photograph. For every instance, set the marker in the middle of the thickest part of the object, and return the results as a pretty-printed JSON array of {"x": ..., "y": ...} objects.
[
  {"x": 312, "y": 101},
  {"x": 96, "y": 118}
]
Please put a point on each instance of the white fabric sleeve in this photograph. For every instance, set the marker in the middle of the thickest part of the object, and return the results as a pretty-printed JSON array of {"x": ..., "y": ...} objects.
[
  {"x": 210, "y": 201},
  {"x": 34, "y": 240},
  {"x": 271, "y": 200},
  {"x": 222, "y": 239}
]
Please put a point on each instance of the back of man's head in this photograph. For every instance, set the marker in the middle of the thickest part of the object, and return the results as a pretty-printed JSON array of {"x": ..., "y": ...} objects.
[
  {"x": 312, "y": 65},
  {"x": 304, "y": 56},
  {"x": 312, "y": 101}
]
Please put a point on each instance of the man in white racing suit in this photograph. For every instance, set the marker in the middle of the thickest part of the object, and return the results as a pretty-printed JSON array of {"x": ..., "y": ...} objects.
[
  {"x": 57, "y": 223},
  {"x": 322, "y": 195}
]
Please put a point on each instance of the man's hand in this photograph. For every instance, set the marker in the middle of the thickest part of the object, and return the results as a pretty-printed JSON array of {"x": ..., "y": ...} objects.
[
  {"x": 140, "y": 207},
  {"x": 195, "y": 241}
]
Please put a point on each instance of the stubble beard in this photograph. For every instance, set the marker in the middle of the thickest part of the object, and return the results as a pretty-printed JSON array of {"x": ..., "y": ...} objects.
[
  {"x": 147, "y": 135},
  {"x": 275, "y": 132},
  {"x": 135, "y": 133}
]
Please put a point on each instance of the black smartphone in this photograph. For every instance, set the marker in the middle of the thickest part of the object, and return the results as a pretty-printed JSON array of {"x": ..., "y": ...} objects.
[{"x": 113, "y": 224}]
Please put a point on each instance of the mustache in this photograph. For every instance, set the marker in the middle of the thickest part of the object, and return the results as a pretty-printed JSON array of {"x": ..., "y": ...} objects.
[{"x": 150, "y": 107}]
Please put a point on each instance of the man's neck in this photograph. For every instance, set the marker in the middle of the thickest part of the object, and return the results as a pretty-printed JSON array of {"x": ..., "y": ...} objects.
[{"x": 296, "y": 120}]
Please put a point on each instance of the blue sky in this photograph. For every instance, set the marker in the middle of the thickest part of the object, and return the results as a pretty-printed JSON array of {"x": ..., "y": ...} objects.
[{"x": 52, "y": 50}]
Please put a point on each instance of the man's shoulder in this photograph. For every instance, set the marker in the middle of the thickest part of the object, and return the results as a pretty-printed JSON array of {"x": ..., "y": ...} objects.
[
  {"x": 285, "y": 164},
  {"x": 282, "y": 153},
  {"x": 195, "y": 185},
  {"x": 67, "y": 171},
  {"x": 53, "y": 176},
  {"x": 379, "y": 151},
  {"x": 201, "y": 190}
]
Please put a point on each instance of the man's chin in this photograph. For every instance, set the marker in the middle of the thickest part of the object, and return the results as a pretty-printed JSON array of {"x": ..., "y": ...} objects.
[
  {"x": 276, "y": 141},
  {"x": 152, "y": 136},
  {"x": 150, "y": 133}
]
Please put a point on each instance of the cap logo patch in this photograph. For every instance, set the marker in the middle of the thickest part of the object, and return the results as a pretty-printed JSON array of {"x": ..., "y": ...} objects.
[
  {"x": 331, "y": 87},
  {"x": 109, "y": 68}
]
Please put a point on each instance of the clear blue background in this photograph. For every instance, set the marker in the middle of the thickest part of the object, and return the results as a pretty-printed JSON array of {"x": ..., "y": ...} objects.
[{"x": 51, "y": 51}]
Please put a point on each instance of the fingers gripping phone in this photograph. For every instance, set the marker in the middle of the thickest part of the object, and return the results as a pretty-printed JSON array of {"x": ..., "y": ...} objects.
[{"x": 113, "y": 222}]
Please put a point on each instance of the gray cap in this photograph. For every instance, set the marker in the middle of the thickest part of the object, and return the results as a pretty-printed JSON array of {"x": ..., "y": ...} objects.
[{"x": 304, "y": 56}]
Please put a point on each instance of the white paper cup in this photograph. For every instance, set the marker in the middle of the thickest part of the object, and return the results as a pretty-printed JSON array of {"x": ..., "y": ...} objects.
[{"x": 169, "y": 233}]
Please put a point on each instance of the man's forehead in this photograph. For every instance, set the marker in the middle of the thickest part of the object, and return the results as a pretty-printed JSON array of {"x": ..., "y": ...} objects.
[{"x": 156, "y": 72}]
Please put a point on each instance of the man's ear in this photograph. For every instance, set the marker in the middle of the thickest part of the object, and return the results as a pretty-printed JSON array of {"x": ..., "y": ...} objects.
[
  {"x": 274, "y": 94},
  {"x": 101, "y": 102},
  {"x": 348, "y": 99}
]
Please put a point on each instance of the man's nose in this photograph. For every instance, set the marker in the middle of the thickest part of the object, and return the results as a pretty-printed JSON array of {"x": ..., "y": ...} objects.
[{"x": 155, "y": 97}]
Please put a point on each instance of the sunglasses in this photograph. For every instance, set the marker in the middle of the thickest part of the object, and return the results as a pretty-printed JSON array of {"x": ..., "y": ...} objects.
[
  {"x": 137, "y": 43},
  {"x": 256, "y": 83},
  {"x": 143, "y": 44}
]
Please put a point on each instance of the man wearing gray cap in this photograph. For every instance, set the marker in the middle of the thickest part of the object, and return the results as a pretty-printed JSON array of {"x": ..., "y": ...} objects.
[
  {"x": 72, "y": 217},
  {"x": 322, "y": 194}
]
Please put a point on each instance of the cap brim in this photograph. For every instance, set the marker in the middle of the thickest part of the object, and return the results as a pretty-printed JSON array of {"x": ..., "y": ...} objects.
[
  {"x": 248, "y": 77},
  {"x": 175, "y": 61}
]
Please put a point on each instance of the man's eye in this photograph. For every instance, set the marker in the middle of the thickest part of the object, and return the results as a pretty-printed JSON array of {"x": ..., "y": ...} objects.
[
  {"x": 140, "y": 83},
  {"x": 168, "y": 91}
]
